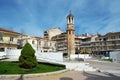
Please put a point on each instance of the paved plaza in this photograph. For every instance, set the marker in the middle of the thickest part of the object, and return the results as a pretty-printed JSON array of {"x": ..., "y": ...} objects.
[
  {"x": 71, "y": 75},
  {"x": 105, "y": 66},
  {"x": 107, "y": 71}
]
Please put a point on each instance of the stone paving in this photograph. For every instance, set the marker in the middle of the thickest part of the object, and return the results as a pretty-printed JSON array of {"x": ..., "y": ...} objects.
[
  {"x": 71, "y": 75},
  {"x": 79, "y": 66},
  {"x": 105, "y": 66}
]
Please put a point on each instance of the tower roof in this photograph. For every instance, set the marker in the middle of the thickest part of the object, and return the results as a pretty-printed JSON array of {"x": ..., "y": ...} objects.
[{"x": 70, "y": 15}]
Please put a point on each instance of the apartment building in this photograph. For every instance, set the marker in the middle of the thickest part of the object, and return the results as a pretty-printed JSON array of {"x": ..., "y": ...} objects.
[
  {"x": 34, "y": 41},
  {"x": 77, "y": 42},
  {"x": 8, "y": 39},
  {"x": 22, "y": 39},
  {"x": 99, "y": 45},
  {"x": 48, "y": 34},
  {"x": 85, "y": 45},
  {"x": 80, "y": 42},
  {"x": 61, "y": 42},
  {"x": 104, "y": 44},
  {"x": 39, "y": 44},
  {"x": 48, "y": 45},
  {"x": 113, "y": 41}
]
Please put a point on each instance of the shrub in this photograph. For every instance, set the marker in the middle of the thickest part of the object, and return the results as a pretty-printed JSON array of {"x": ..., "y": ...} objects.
[
  {"x": 108, "y": 60},
  {"x": 52, "y": 64},
  {"x": 27, "y": 58}
]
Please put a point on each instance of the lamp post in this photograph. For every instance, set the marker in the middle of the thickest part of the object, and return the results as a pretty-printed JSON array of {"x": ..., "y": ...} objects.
[
  {"x": 77, "y": 51},
  {"x": 84, "y": 53}
]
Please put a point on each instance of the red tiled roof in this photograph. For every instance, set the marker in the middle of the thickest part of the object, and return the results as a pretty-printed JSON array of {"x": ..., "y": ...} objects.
[{"x": 5, "y": 30}]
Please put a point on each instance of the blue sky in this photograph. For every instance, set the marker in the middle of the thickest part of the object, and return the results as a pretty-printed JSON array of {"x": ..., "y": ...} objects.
[{"x": 34, "y": 16}]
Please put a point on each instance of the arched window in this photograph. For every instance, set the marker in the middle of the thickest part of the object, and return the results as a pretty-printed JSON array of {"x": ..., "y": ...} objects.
[
  {"x": 33, "y": 42},
  {"x": 69, "y": 32},
  {"x": 69, "y": 19}
]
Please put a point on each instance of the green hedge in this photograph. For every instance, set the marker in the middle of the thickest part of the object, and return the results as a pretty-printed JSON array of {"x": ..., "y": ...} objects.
[
  {"x": 108, "y": 60},
  {"x": 52, "y": 64}
]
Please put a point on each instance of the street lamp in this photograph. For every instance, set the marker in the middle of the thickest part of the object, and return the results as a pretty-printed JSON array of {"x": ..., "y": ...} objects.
[
  {"x": 84, "y": 53},
  {"x": 77, "y": 51}
]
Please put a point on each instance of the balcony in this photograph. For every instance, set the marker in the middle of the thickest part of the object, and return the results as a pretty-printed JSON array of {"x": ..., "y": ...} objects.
[
  {"x": 116, "y": 39},
  {"x": 85, "y": 42}
]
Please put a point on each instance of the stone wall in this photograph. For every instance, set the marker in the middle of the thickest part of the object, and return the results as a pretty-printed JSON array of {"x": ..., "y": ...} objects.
[
  {"x": 115, "y": 56},
  {"x": 50, "y": 56},
  {"x": 2, "y": 55},
  {"x": 84, "y": 56}
]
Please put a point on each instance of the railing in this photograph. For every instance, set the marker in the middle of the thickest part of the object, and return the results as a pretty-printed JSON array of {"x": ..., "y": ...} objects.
[{"x": 113, "y": 39}]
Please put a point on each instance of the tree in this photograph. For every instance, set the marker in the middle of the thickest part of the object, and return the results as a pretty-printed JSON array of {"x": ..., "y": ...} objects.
[{"x": 27, "y": 58}]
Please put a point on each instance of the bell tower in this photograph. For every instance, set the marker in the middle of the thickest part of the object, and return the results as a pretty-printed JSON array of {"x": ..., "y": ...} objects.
[{"x": 70, "y": 34}]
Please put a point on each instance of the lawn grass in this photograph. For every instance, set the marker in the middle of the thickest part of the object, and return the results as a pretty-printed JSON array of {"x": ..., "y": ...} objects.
[{"x": 13, "y": 68}]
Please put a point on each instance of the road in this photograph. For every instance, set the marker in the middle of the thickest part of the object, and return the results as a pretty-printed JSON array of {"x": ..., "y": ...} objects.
[
  {"x": 106, "y": 66},
  {"x": 72, "y": 75}
]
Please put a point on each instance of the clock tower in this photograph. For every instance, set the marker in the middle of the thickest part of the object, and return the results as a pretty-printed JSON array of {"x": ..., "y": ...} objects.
[{"x": 70, "y": 34}]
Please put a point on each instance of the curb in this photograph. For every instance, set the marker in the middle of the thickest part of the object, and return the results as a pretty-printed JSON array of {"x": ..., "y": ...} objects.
[
  {"x": 32, "y": 75},
  {"x": 110, "y": 71}
]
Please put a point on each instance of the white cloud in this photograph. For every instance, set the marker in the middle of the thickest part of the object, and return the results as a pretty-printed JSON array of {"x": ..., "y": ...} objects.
[{"x": 91, "y": 16}]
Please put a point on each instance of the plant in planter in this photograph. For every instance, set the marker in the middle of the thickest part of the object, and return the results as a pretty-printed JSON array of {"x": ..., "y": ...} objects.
[{"x": 27, "y": 58}]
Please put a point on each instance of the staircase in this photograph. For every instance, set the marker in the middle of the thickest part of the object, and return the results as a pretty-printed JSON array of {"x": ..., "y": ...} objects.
[{"x": 79, "y": 66}]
